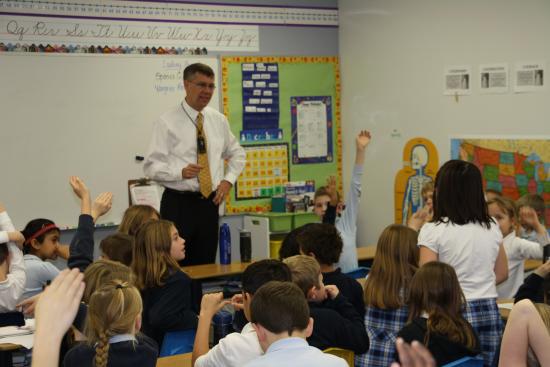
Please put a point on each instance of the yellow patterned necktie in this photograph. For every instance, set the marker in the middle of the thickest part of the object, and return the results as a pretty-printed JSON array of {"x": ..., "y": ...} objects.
[{"x": 205, "y": 179}]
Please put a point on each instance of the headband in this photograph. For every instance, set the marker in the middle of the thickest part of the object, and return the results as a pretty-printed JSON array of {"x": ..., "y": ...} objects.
[{"x": 41, "y": 231}]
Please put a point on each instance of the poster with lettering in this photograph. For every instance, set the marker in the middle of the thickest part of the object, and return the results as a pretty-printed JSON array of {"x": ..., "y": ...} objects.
[
  {"x": 260, "y": 93},
  {"x": 493, "y": 78},
  {"x": 529, "y": 77},
  {"x": 311, "y": 119},
  {"x": 26, "y": 30},
  {"x": 457, "y": 80}
]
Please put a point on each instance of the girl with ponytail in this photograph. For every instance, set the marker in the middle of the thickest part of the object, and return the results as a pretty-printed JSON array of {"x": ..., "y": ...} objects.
[
  {"x": 112, "y": 325},
  {"x": 435, "y": 305}
]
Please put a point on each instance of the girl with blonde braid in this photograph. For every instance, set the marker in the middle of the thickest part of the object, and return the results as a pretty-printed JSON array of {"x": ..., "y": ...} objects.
[{"x": 112, "y": 325}]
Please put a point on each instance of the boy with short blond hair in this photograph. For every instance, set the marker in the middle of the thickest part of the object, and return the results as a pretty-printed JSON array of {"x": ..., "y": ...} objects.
[{"x": 336, "y": 322}]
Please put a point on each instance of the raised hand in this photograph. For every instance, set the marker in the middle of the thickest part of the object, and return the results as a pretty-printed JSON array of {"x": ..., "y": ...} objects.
[
  {"x": 102, "y": 204},
  {"x": 362, "y": 140},
  {"x": 79, "y": 187}
]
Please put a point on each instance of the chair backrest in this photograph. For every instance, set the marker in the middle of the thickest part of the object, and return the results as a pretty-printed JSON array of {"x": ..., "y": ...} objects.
[
  {"x": 359, "y": 272},
  {"x": 177, "y": 342},
  {"x": 466, "y": 362},
  {"x": 345, "y": 354}
]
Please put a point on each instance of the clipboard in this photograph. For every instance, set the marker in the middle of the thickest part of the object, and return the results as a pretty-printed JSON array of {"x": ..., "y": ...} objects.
[{"x": 143, "y": 191}]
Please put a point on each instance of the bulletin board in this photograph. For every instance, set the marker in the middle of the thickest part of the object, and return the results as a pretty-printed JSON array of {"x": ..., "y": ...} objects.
[{"x": 261, "y": 99}]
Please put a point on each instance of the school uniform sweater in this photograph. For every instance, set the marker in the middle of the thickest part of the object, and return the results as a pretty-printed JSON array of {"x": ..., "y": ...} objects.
[
  {"x": 443, "y": 349},
  {"x": 532, "y": 288},
  {"x": 81, "y": 249},
  {"x": 168, "y": 308},
  {"x": 142, "y": 351},
  {"x": 349, "y": 287},
  {"x": 336, "y": 323}
]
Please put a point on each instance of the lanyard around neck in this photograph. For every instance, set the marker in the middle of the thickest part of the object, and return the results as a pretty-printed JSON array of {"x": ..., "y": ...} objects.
[{"x": 189, "y": 116}]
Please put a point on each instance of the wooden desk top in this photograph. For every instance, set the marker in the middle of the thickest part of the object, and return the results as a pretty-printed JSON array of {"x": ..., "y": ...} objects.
[
  {"x": 531, "y": 265},
  {"x": 214, "y": 270},
  {"x": 366, "y": 253},
  {"x": 6, "y": 347},
  {"x": 504, "y": 312},
  {"x": 179, "y": 360}
]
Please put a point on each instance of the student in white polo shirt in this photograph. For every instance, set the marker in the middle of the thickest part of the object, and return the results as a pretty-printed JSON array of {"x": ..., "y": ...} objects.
[{"x": 236, "y": 349}]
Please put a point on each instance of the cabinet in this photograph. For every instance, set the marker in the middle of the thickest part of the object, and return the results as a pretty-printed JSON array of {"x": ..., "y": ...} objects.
[{"x": 268, "y": 229}]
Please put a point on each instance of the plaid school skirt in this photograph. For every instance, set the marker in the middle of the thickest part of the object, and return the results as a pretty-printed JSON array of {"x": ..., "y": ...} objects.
[{"x": 485, "y": 318}]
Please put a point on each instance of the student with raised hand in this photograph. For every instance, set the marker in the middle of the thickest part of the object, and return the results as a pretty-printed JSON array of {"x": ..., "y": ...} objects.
[
  {"x": 531, "y": 208},
  {"x": 463, "y": 235},
  {"x": 328, "y": 207},
  {"x": 517, "y": 249},
  {"x": 235, "y": 349},
  {"x": 337, "y": 323},
  {"x": 112, "y": 325},
  {"x": 527, "y": 336},
  {"x": 281, "y": 318},
  {"x": 165, "y": 289},
  {"x": 62, "y": 299},
  {"x": 323, "y": 242},
  {"x": 387, "y": 284},
  {"x": 435, "y": 303},
  {"x": 12, "y": 265},
  {"x": 82, "y": 244}
]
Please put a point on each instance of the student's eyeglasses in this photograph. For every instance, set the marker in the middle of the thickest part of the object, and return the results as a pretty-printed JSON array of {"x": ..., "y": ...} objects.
[{"x": 204, "y": 86}]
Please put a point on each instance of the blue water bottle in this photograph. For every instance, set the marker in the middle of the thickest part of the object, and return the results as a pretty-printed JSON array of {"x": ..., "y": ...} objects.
[
  {"x": 222, "y": 324},
  {"x": 225, "y": 244}
]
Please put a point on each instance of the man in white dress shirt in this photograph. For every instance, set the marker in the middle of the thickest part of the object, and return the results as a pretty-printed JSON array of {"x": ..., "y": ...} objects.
[{"x": 186, "y": 155}]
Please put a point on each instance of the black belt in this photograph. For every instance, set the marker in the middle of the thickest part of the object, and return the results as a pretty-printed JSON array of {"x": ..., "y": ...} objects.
[{"x": 184, "y": 193}]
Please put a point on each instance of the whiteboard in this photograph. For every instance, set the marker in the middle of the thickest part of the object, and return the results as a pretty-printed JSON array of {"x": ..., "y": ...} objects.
[{"x": 80, "y": 114}]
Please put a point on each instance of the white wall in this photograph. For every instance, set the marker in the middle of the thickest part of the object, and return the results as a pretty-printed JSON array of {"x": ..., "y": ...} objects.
[{"x": 392, "y": 57}]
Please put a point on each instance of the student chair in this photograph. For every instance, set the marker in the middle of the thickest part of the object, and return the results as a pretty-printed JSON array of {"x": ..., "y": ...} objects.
[
  {"x": 177, "y": 342},
  {"x": 345, "y": 354},
  {"x": 358, "y": 273},
  {"x": 466, "y": 362}
]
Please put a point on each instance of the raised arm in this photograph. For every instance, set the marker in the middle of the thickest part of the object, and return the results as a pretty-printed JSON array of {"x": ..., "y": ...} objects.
[{"x": 82, "y": 245}]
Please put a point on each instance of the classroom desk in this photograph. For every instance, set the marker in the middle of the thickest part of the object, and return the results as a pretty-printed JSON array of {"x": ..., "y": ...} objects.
[
  {"x": 217, "y": 270},
  {"x": 366, "y": 253},
  {"x": 6, "y": 350},
  {"x": 531, "y": 265},
  {"x": 504, "y": 312},
  {"x": 179, "y": 360},
  {"x": 214, "y": 270}
]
